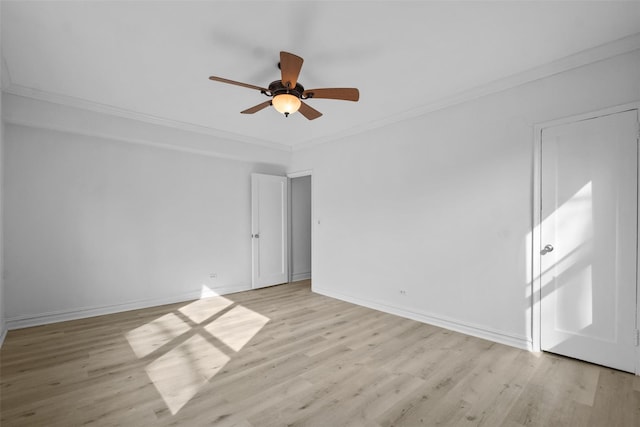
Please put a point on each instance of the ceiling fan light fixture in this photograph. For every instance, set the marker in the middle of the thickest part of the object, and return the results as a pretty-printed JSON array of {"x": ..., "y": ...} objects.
[{"x": 286, "y": 103}]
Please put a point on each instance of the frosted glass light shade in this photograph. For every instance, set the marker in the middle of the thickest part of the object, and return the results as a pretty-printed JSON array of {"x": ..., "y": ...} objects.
[{"x": 286, "y": 103}]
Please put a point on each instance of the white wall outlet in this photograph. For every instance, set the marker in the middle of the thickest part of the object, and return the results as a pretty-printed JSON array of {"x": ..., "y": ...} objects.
[
  {"x": 403, "y": 292},
  {"x": 213, "y": 275}
]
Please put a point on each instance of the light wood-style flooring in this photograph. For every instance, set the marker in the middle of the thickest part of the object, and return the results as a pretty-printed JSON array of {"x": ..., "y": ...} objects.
[{"x": 283, "y": 356}]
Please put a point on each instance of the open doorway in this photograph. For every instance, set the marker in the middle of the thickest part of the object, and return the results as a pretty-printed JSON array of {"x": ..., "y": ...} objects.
[{"x": 300, "y": 226}]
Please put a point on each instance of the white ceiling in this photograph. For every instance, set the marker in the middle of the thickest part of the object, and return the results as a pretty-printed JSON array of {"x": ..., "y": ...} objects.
[{"x": 152, "y": 59}]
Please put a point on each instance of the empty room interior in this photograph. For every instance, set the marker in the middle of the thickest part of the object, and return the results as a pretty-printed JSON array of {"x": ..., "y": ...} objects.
[{"x": 319, "y": 213}]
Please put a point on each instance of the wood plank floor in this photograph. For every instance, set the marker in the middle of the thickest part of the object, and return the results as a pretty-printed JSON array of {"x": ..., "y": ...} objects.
[{"x": 283, "y": 356}]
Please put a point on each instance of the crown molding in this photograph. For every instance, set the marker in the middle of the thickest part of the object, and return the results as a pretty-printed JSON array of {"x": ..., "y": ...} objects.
[
  {"x": 83, "y": 104},
  {"x": 609, "y": 50}
]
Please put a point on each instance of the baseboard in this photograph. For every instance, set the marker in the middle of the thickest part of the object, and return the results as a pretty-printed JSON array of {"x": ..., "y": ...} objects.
[
  {"x": 300, "y": 276},
  {"x": 19, "y": 322},
  {"x": 433, "y": 319}
]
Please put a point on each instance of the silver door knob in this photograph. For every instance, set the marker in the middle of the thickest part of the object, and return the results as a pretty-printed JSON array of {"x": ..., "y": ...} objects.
[{"x": 546, "y": 249}]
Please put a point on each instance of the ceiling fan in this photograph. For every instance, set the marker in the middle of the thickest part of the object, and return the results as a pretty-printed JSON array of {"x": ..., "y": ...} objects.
[{"x": 287, "y": 95}]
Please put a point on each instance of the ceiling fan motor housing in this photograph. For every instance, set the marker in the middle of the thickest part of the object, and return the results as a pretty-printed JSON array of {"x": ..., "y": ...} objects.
[{"x": 278, "y": 88}]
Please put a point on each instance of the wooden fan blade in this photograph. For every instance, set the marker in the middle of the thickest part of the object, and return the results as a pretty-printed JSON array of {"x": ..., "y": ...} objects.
[
  {"x": 343, "y": 93},
  {"x": 290, "y": 66},
  {"x": 256, "y": 108},
  {"x": 233, "y": 82},
  {"x": 309, "y": 112}
]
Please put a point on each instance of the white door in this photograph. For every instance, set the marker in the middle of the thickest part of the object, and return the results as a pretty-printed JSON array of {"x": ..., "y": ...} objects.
[
  {"x": 269, "y": 229},
  {"x": 589, "y": 235}
]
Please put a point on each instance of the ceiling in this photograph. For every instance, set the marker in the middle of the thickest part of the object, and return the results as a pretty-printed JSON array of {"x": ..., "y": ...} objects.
[{"x": 152, "y": 59}]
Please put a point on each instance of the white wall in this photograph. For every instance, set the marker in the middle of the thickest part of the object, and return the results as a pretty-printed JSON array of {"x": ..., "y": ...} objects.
[
  {"x": 440, "y": 206},
  {"x": 96, "y": 225},
  {"x": 3, "y": 325},
  {"x": 3, "y": 328},
  {"x": 301, "y": 228}
]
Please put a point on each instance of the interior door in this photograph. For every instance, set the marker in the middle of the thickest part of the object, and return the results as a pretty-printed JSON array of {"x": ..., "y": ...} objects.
[
  {"x": 269, "y": 230},
  {"x": 589, "y": 239}
]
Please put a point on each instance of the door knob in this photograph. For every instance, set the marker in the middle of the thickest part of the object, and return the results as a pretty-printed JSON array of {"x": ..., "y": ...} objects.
[
  {"x": 255, "y": 236},
  {"x": 546, "y": 249}
]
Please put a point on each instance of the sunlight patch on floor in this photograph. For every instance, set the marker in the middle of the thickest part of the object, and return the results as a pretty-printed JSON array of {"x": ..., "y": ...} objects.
[
  {"x": 202, "y": 309},
  {"x": 153, "y": 335},
  {"x": 236, "y": 327},
  {"x": 180, "y": 373},
  {"x": 193, "y": 344}
]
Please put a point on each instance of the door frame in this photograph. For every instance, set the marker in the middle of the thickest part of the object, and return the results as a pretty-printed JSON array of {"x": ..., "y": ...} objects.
[
  {"x": 290, "y": 176},
  {"x": 535, "y": 245}
]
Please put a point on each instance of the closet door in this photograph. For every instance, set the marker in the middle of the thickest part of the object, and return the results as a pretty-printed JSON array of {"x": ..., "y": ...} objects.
[{"x": 589, "y": 239}]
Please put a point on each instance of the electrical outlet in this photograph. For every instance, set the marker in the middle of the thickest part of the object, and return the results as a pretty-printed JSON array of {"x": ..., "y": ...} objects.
[
  {"x": 403, "y": 292},
  {"x": 213, "y": 275}
]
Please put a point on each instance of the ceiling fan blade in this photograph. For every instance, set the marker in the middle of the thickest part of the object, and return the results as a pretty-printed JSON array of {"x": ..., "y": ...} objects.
[
  {"x": 233, "y": 82},
  {"x": 309, "y": 112},
  {"x": 256, "y": 108},
  {"x": 290, "y": 66},
  {"x": 343, "y": 93}
]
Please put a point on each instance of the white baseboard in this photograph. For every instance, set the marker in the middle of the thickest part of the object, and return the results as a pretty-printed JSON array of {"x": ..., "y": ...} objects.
[
  {"x": 300, "y": 276},
  {"x": 436, "y": 320},
  {"x": 26, "y": 321}
]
